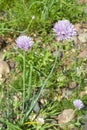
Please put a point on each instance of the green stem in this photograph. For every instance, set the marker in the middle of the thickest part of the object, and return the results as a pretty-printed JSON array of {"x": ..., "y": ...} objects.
[
  {"x": 44, "y": 84},
  {"x": 23, "y": 79}
]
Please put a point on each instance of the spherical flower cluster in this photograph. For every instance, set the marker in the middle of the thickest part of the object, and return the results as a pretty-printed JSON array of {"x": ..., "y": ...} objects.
[
  {"x": 78, "y": 104},
  {"x": 24, "y": 42},
  {"x": 64, "y": 30}
]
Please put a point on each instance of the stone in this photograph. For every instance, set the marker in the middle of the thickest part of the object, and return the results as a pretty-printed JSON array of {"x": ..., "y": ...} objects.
[
  {"x": 82, "y": 37},
  {"x": 4, "y": 68},
  {"x": 66, "y": 116},
  {"x": 72, "y": 85},
  {"x": 36, "y": 108}
]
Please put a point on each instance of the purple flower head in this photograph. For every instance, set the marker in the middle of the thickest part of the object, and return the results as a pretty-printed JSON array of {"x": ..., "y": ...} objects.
[
  {"x": 78, "y": 104},
  {"x": 64, "y": 30},
  {"x": 24, "y": 42}
]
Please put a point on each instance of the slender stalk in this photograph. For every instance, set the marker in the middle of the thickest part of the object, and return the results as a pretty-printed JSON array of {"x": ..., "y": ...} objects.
[
  {"x": 44, "y": 84},
  {"x": 23, "y": 79}
]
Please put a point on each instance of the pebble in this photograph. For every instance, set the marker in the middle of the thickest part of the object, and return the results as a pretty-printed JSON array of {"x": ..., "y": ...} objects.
[
  {"x": 82, "y": 37},
  {"x": 66, "y": 116},
  {"x": 72, "y": 85},
  {"x": 36, "y": 108},
  {"x": 4, "y": 68}
]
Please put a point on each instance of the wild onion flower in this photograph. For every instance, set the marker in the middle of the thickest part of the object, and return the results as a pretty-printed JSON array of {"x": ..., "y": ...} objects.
[
  {"x": 78, "y": 104},
  {"x": 64, "y": 30},
  {"x": 24, "y": 42}
]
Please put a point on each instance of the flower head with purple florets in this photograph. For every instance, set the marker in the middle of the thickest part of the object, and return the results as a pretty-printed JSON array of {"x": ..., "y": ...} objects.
[
  {"x": 78, "y": 104},
  {"x": 64, "y": 30},
  {"x": 24, "y": 42}
]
